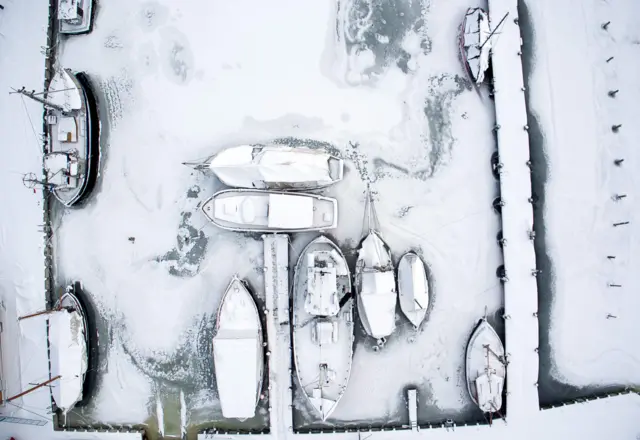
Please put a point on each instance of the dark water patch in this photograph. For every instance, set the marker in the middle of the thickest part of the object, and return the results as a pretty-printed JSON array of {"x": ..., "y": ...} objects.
[
  {"x": 551, "y": 391},
  {"x": 184, "y": 260},
  {"x": 381, "y": 27}
]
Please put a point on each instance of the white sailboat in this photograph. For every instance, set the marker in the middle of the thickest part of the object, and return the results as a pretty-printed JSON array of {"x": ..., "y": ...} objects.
[
  {"x": 238, "y": 352},
  {"x": 71, "y": 352},
  {"x": 476, "y": 40},
  {"x": 323, "y": 324},
  {"x": 73, "y": 145},
  {"x": 486, "y": 368},
  {"x": 278, "y": 167},
  {"x": 375, "y": 283},
  {"x": 413, "y": 288},
  {"x": 75, "y": 16},
  {"x": 270, "y": 211}
]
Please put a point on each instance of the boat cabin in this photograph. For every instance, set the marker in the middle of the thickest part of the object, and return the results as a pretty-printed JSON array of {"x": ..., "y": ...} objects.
[
  {"x": 325, "y": 331},
  {"x": 70, "y": 11},
  {"x": 63, "y": 169}
]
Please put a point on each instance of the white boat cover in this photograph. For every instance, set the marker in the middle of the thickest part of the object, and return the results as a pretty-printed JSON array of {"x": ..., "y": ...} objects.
[
  {"x": 485, "y": 368},
  {"x": 64, "y": 92},
  {"x": 248, "y": 166},
  {"x": 68, "y": 354},
  {"x": 413, "y": 289},
  {"x": 238, "y": 353},
  {"x": 476, "y": 47},
  {"x": 376, "y": 285},
  {"x": 290, "y": 211}
]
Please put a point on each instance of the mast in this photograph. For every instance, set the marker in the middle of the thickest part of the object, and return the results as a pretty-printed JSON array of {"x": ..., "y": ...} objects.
[
  {"x": 32, "y": 95},
  {"x": 494, "y": 31},
  {"x": 40, "y": 385}
]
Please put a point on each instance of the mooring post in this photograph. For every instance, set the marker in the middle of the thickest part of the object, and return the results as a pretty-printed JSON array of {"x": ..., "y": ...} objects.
[
  {"x": 613, "y": 93},
  {"x": 620, "y": 223},
  {"x": 606, "y": 25}
]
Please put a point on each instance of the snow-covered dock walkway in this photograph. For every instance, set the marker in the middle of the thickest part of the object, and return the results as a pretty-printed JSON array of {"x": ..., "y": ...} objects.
[
  {"x": 276, "y": 282},
  {"x": 520, "y": 289}
]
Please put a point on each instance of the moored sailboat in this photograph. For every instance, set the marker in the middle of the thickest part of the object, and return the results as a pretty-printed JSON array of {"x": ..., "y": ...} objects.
[
  {"x": 238, "y": 352},
  {"x": 323, "y": 324},
  {"x": 375, "y": 283},
  {"x": 485, "y": 368},
  {"x": 73, "y": 145},
  {"x": 278, "y": 167}
]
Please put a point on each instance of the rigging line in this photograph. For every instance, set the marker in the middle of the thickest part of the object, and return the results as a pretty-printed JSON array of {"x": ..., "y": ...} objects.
[
  {"x": 28, "y": 410},
  {"x": 35, "y": 135}
]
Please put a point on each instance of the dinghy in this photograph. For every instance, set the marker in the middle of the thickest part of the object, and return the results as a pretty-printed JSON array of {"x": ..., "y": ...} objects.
[
  {"x": 271, "y": 211},
  {"x": 475, "y": 44},
  {"x": 75, "y": 16},
  {"x": 238, "y": 352},
  {"x": 486, "y": 369},
  {"x": 274, "y": 167},
  {"x": 413, "y": 288},
  {"x": 323, "y": 324},
  {"x": 69, "y": 350}
]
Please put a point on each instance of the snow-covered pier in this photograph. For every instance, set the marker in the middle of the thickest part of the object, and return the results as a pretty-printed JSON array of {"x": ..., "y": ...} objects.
[
  {"x": 520, "y": 286},
  {"x": 276, "y": 282}
]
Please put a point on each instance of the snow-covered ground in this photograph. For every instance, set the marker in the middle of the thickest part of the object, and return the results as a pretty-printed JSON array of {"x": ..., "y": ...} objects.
[
  {"x": 594, "y": 323},
  {"x": 380, "y": 82}
]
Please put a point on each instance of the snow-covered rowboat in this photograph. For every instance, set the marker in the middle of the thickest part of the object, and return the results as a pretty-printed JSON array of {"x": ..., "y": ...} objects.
[
  {"x": 475, "y": 43},
  {"x": 271, "y": 211},
  {"x": 485, "y": 367},
  {"x": 69, "y": 350},
  {"x": 72, "y": 157},
  {"x": 278, "y": 167},
  {"x": 75, "y": 16},
  {"x": 323, "y": 324},
  {"x": 376, "y": 287},
  {"x": 238, "y": 352},
  {"x": 413, "y": 288}
]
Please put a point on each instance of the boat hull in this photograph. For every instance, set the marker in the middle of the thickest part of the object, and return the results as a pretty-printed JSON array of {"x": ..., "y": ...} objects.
[
  {"x": 238, "y": 353},
  {"x": 376, "y": 287},
  {"x": 88, "y": 151},
  {"x": 474, "y": 58},
  {"x": 485, "y": 367},
  {"x": 413, "y": 288},
  {"x": 323, "y": 365},
  {"x": 276, "y": 167},
  {"x": 271, "y": 211}
]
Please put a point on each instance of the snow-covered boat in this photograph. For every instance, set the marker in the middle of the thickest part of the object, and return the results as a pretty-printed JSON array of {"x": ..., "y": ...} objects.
[
  {"x": 278, "y": 167},
  {"x": 475, "y": 43},
  {"x": 376, "y": 287},
  {"x": 238, "y": 352},
  {"x": 75, "y": 16},
  {"x": 271, "y": 211},
  {"x": 485, "y": 367},
  {"x": 413, "y": 288},
  {"x": 70, "y": 350},
  {"x": 73, "y": 151},
  {"x": 323, "y": 324}
]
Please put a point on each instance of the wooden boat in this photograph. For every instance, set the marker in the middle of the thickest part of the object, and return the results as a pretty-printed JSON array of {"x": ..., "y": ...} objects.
[
  {"x": 71, "y": 350},
  {"x": 271, "y": 211},
  {"x": 276, "y": 167},
  {"x": 475, "y": 43},
  {"x": 376, "y": 287},
  {"x": 323, "y": 324},
  {"x": 73, "y": 151},
  {"x": 413, "y": 288},
  {"x": 485, "y": 368},
  {"x": 75, "y": 16},
  {"x": 238, "y": 352}
]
